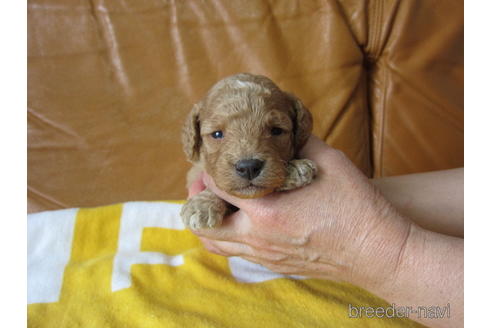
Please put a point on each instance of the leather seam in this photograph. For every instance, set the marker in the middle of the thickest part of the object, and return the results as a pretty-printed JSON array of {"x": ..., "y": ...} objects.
[
  {"x": 375, "y": 25},
  {"x": 383, "y": 119}
]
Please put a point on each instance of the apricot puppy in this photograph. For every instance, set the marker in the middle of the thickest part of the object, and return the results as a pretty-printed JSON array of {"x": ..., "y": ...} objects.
[{"x": 245, "y": 134}]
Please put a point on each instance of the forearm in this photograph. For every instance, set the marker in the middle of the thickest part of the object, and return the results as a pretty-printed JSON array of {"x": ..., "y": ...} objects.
[
  {"x": 429, "y": 273},
  {"x": 433, "y": 200}
]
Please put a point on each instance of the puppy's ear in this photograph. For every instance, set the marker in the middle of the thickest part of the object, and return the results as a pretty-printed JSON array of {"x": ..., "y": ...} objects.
[
  {"x": 190, "y": 136},
  {"x": 303, "y": 122}
]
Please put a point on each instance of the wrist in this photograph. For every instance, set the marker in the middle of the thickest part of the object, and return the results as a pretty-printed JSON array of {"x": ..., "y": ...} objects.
[
  {"x": 428, "y": 272},
  {"x": 383, "y": 251}
]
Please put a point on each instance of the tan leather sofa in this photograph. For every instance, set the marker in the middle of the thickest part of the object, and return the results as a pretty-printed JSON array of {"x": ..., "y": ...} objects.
[{"x": 110, "y": 83}]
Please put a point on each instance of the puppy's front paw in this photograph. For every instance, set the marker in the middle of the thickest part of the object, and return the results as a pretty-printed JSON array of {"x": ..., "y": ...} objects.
[
  {"x": 300, "y": 172},
  {"x": 203, "y": 212}
]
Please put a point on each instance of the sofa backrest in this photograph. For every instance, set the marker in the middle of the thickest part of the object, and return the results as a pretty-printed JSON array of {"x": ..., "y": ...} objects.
[{"x": 110, "y": 84}]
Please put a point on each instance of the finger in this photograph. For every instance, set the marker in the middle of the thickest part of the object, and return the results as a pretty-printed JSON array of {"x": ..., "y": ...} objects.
[
  {"x": 196, "y": 187},
  {"x": 227, "y": 248},
  {"x": 283, "y": 268},
  {"x": 209, "y": 246},
  {"x": 233, "y": 228},
  {"x": 280, "y": 262}
]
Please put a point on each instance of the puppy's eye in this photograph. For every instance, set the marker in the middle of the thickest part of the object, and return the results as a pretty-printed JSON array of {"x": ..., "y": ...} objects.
[
  {"x": 276, "y": 131},
  {"x": 217, "y": 135}
]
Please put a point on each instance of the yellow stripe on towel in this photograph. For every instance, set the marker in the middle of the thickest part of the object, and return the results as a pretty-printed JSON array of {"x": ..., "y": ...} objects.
[{"x": 134, "y": 265}]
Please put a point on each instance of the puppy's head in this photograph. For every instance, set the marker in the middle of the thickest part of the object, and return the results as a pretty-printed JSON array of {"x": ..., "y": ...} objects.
[{"x": 244, "y": 132}]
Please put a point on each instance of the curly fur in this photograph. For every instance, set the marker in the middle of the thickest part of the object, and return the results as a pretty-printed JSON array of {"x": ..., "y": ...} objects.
[{"x": 245, "y": 108}]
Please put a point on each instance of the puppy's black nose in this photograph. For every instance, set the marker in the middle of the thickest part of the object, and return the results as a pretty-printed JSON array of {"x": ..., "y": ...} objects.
[{"x": 249, "y": 168}]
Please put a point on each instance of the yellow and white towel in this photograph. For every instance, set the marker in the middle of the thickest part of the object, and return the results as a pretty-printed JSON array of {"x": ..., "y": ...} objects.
[{"x": 135, "y": 265}]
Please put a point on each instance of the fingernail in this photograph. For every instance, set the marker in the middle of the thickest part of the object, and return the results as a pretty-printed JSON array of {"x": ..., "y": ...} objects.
[{"x": 206, "y": 180}]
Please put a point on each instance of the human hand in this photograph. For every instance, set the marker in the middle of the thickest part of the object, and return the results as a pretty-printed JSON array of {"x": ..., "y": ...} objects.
[{"x": 339, "y": 227}]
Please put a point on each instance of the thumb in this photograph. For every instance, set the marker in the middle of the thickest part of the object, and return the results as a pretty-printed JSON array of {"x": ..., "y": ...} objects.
[
  {"x": 196, "y": 187},
  {"x": 314, "y": 149}
]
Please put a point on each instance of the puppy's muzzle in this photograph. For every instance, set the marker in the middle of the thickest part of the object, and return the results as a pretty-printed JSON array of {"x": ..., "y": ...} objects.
[{"x": 249, "y": 168}]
